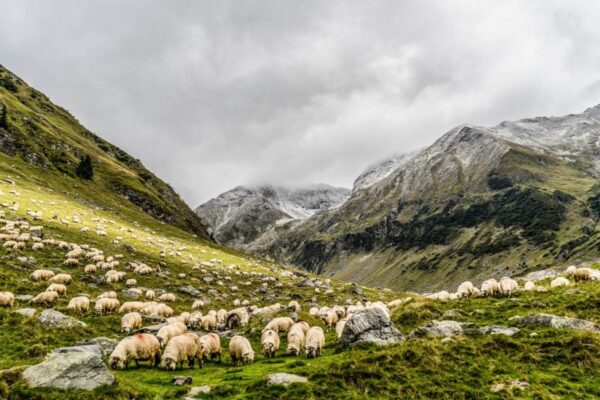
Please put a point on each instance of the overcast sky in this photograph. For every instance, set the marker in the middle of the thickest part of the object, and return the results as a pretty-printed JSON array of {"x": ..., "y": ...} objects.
[{"x": 214, "y": 94}]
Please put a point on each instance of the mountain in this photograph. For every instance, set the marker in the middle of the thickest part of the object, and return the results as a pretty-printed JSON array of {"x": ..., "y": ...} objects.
[
  {"x": 478, "y": 202},
  {"x": 48, "y": 137},
  {"x": 246, "y": 216},
  {"x": 381, "y": 170}
]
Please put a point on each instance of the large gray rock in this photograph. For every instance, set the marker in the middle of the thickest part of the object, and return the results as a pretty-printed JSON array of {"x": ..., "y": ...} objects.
[
  {"x": 372, "y": 326},
  {"x": 281, "y": 378},
  {"x": 189, "y": 289},
  {"x": 442, "y": 329},
  {"x": 131, "y": 294},
  {"x": 553, "y": 321},
  {"x": 58, "y": 319},
  {"x": 70, "y": 368},
  {"x": 23, "y": 297},
  {"x": 100, "y": 345}
]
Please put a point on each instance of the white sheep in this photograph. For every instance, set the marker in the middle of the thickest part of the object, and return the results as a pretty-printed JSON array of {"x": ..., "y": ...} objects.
[
  {"x": 130, "y": 306},
  {"x": 130, "y": 282},
  {"x": 582, "y": 274},
  {"x": 270, "y": 343},
  {"x": 529, "y": 286},
  {"x": 339, "y": 328},
  {"x": 315, "y": 341},
  {"x": 7, "y": 299},
  {"x": 171, "y": 330},
  {"x": 294, "y": 306},
  {"x": 198, "y": 305},
  {"x": 111, "y": 294},
  {"x": 508, "y": 285},
  {"x": 182, "y": 348},
  {"x": 41, "y": 275},
  {"x": 560, "y": 281},
  {"x": 62, "y": 278},
  {"x": 167, "y": 297},
  {"x": 211, "y": 346},
  {"x": 237, "y": 318},
  {"x": 150, "y": 295},
  {"x": 106, "y": 305},
  {"x": 240, "y": 351},
  {"x": 490, "y": 287},
  {"x": 45, "y": 298},
  {"x": 140, "y": 347},
  {"x": 131, "y": 321},
  {"x": 58, "y": 288},
  {"x": 295, "y": 339},
  {"x": 90, "y": 269},
  {"x": 208, "y": 322},
  {"x": 465, "y": 289},
  {"x": 279, "y": 324},
  {"x": 79, "y": 304}
]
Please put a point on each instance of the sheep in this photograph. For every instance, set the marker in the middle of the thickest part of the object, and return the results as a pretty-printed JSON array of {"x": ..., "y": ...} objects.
[
  {"x": 570, "y": 270},
  {"x": 198, "y": 305},
  {"x": 195, "y": 319},
  {"x": 130, "y": 306},
  {"x": 58, "y": 288},
  {"x": 37, "y": 246},
  {"x": 157, "y": 310},
  {"x": 111, "y": 294},
  {"x": 90, "y": 269},
  {"x": 106, "y": 305},
  {"x": 490, "y": 287},
  {"x": 465, "y": 289},
  {"x": 211, "y": 346},
  {"x": 241, "y": 351},
  {"x": 209, "y": 322},
  {"x": 294, "y": 306},
  {"x": 295, "y": 339},
  {"x": 141, "y": 347},
  {"x": 130, "y": 321},
  {"x": 582, "y": 274},
  {"x": 167, "y": 297},
  {"x": 508, "y": 285},
  {"x": 171, "y": 330},
  {"x": 237, "y": 318},
  {"x": 270, "y": 343},
  {"x": 130, "y": 283},
  {"x": 177, "y": 318},
  {"x": 7, "y": 299},
  {"x": 339, "y": 328},
  {"x": 314, "y": 312},
  {"x": 315, "y": 340},
  {"x": 150, "y": 295},
  {"x": 529, "y": 286},
  {"x": 267, "y": 311},
  {"x": 45, "y": 298},
  {"x": 182, "y": 348},
  {"x": 79, "y": 304},
  {"x": 560, "y": 281},
  {"x": 237, "y": 303},
  {"x": 330, "y": 318},
  {"x": 62, "y": 278},
  {"x": 41, "y": 275},
  {"x": 221, "y": 316},
  {"x": 279, "y": 324},
  {"x": 71, "y": 262}
]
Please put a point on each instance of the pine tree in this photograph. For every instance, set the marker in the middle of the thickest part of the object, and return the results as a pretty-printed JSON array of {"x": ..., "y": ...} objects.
[
  {"x": 4, "y": 117},
  {"x": 85, "y": 169}
]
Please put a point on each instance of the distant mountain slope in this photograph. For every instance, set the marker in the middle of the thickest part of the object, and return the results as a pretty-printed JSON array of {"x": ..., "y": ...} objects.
[
  {"x": 244, "y": 216},
  {"x": 478, "y": 202},
  {"x": 47, "y": 136}
]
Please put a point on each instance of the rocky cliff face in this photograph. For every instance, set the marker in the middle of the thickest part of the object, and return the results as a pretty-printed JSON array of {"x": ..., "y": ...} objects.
[
  {"x": 478, "y": 202},
  {"x": 246, "y": 216}
]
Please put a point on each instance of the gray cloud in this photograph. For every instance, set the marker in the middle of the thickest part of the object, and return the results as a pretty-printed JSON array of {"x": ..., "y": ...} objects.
[{"x": 214, "y": 94}]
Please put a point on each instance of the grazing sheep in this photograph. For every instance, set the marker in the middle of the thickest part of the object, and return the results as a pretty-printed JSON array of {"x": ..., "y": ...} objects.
[
  {"x": 280, "y": 324},
  {"x": 314, "y": 312},
  {"x": 58, "y": 288},
  {"x": 140, "y": 347},
  {"x": 131, "y": 321},
  {"x": 339, "y": 328},
  {"x": 241, "y": 351},
  {"x": 106, "y": 305},
  {"x": 171, "y": 330},
  {"x": 237, "y": 317},
  {"x": 157, "y": 310},
  {"x": 315, "y": 340},
  {"x": 7, "y": 299},
  {"x": 150, "y": 295},
  {"x": 79, "y": 304},
  {"x": 570, "y": 270},
  {"x": 62, "y": 278},
  {"x": 490, "y": 287},
  {"x": 529, "y": 286},
  {"x": 582, "y": 274},
  {"x": 295, "y": 339},
  {"x": 45, "y": 298},
  {"x": 130, "y": 306},
  {"x": 130, "y": 282},
  {"x": 41, "y": 275},
  {"x": 71, "y": 262},
  {"x": 90, "y": 269},
  {"x": 560, "y": 281},
  {"x": 330, "y": 318},
  {"x": 182, "y": 348},
  {"x": 37, "y": 246},
  {"x": 211, "y": 346},
  {"x": 195, "y": 319},
  {"x": 267, "y": 311},
  {"x": 294, "y": 306},
  {"x": 508, "y": 285},
  {"x": 221, "y": 317},
  {"x": 465, "y": 289},
  {"x": 167, "y": 297},
  {"x": 198, "y": 305},
  {"x": 111, "y": 294},
  {"x": 209, "y": 322},
  {"x": 270, "y": 343}
]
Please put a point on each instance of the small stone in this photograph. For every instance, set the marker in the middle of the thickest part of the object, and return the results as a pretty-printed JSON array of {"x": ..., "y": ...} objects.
[
  {"x": 26, "y": 312},
  {"x": 181, "y": 380},
  {"x": 196, "y": 390}
]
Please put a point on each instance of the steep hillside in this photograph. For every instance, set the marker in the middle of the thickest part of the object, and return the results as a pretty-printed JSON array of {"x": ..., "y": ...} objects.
[
  {"x": 244, "y": 217},
  {"x": 478, "y": 201},
  {"x": 48, "y": 137}
]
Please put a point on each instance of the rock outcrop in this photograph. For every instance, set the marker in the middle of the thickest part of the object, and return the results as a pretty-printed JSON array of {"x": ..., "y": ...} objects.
[{"x": 370, "y": 325}]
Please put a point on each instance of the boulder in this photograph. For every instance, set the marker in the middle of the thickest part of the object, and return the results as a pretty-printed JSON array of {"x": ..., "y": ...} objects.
[
  {"x": 26, "y": 312},
  {"x": 131, "y": 294},
  {"x": 208, "y": 280},
  {"x": 58, "y": 319},
  {"x": 441, "y": 329},
  {"x": 189, "y": 289},
  {"x": 371, "y": 326},
  {"x": 281, "y": 378},
  {"x": 70, "y": 368},
  {"x": 23, "y": 297},
  {"x": 100, "y": 345},
  {"x": 553, "y": 321}
]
